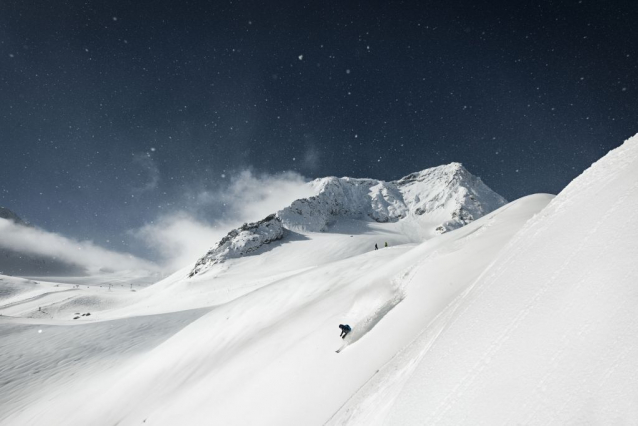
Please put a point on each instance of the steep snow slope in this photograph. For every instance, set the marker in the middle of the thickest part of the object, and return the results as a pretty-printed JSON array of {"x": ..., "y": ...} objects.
[
  {"x": 270, "y": 340},
  {"x": 547, "y": 335}
]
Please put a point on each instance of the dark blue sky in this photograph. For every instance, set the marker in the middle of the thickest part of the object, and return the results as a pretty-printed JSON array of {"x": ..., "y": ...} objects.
[{"x": 111, "y": 112}]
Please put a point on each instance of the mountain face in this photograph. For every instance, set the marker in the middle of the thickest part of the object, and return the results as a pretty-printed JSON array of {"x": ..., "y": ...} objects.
[
  {"x": 436, "y": 200},
  {"x": 13, "y": 262},
  {"x": 447, "y": 193},
  {"x": 241, "y": 241},
  {"x": 450, "y": 190}
]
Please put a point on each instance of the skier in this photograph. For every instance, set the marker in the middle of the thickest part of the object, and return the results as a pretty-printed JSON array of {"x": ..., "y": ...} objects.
[
  {"x": 376, "y": 247},
  {"x": 345, "y": 329},
  {"x": 386, "y": 243}
]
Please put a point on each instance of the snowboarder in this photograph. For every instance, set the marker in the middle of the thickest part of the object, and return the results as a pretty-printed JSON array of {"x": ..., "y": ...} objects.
[
  {"x": 345, "y": 329},
  {"x": 376, "y": 247},
  {"x": 386, "y": 243}
]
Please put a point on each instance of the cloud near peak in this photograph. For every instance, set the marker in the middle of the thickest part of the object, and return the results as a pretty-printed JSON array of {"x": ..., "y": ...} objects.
[{"x": 181, "y": 237}]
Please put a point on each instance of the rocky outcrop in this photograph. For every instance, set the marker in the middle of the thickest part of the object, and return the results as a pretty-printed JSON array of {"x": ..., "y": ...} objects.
[{"x": 241, "y": 241}]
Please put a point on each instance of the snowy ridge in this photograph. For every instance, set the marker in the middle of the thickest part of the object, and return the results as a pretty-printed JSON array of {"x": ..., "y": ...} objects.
[
  {"x": 448, "y": 193},
  {"x": 344, "y": 197},
  {"x": 241, "y": 241},
  {"x": 450, "y": 188},
  {"x": 440, "y": 198}
]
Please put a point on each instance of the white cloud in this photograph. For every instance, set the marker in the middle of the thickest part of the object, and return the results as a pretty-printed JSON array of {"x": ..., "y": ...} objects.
[
  {"x": 252, "y": 197},
  {"x": 180, "y": 238},
  {"x": 30, "y": 240}
]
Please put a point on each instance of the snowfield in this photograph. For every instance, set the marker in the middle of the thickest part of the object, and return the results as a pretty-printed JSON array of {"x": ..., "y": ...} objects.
[{"x": 477, "y": 312}]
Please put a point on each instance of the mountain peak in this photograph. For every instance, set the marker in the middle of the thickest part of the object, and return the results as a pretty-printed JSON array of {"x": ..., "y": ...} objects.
[
  {"x": 445, "y": 170},
  {"x": 5, "y": 213},
  {"x": 432, "y": 201},
  {"x": 448, "y": 194}
]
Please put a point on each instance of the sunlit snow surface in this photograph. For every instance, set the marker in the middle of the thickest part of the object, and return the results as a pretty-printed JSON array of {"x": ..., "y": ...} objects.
[
  {"x": 547, "y": 335},
  {"x": 502, "y": 321}
]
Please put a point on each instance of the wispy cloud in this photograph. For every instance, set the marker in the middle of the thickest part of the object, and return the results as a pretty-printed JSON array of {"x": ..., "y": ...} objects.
[
  {"x": 149, "y": 170},
  {"x": 311, "y": 157},
  {"x": 36, "y": 241},
  {"x": 186, "y": 234},
  {"x": 250, "y": 197}
]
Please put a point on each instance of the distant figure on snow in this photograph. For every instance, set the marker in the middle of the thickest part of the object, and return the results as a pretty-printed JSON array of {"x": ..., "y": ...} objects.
[
  {"x": 376, "y": 247},
  {"x": 386, "y": 243},
  {"x": 345, "y": 329}
]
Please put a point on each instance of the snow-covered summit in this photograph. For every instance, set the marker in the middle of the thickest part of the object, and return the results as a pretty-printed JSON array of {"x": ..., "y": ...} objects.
[
  {"x": 452, "y": 189},
  {"x": 433, "y": 201},
  {"x": 447, "y": 196}
]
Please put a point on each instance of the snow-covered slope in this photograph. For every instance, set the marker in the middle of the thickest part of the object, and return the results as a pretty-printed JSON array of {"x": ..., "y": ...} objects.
[
  {"x": 524, "y": 315},
  {"x": 547, "y": 335},
  {"x": 270, "y": 339}
]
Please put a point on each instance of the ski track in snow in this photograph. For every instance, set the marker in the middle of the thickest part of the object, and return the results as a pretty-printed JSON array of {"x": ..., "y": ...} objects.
[{"x": 371, "y": 403}]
